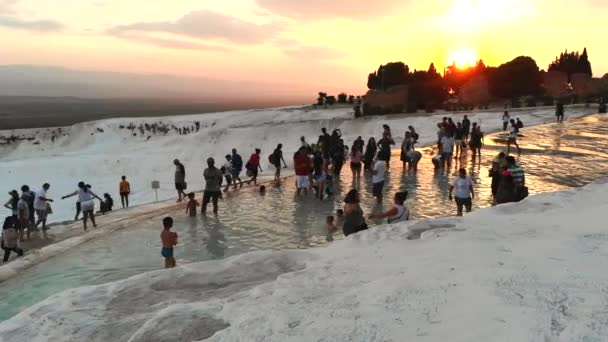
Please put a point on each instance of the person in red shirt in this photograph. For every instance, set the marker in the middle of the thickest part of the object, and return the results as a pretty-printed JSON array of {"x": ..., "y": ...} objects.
[
  {"x": 253, "y": 165},
  {"x": 302, "y": 165}
]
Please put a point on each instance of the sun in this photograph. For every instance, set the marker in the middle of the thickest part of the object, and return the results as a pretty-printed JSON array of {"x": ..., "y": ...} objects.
[{"x": 463, "y": 58}]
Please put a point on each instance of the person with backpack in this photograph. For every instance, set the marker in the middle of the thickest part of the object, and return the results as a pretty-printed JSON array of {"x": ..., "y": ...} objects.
[
  {"x": 275, "y": 159},
  {"x": 236, "y": 164},
  {"x": 253, "y": 165}
]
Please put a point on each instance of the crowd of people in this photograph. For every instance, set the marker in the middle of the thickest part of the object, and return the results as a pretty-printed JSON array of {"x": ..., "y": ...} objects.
[{"x": 316, "y": 166}]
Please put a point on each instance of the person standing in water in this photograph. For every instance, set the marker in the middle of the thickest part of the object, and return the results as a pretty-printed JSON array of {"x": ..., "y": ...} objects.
[
  {"x": 559, "y": 112},
  {"x": 237, "y": 168},
  {"x": 458, "y": 139},
  {"x": 447, "y": 150},
  {"x": 213, "y": 186},
  {"x": 227, "y": 171},
  {"x": 124, "y": 189},
  {"x": 406, "y": 146},
  {"x": 466, "y": 127},
  {"x": 191, "y": 206},
  {"x": 87, "y": 202},
  {"x": 356, "y": 157},
  {"x": 398, "y": 213},
  {"x": 476, "y": 141},
  {"x": 378, "y": 177},
  {"x": 354, "y": 221},
  {"x": 302, "y": 165},
  {"x": 169, "y": 241},
  {"x": 253, "y": 166},
  {"x": 463, "y": 191},
  {"x": 370, "y": 153},
  {"x": 319, "y": 173},
  {"x": 275, "y": 159},
  {"x": 512, "y": 138},
  {"x": 180, "y": 179}
]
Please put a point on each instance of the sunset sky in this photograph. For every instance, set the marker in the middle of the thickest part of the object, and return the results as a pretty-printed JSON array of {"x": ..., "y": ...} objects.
[{"x": 331, "y": 42}]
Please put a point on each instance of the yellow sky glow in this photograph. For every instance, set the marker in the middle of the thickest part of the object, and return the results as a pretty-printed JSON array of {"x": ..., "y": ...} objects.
[{"x": 322, "y": 50}]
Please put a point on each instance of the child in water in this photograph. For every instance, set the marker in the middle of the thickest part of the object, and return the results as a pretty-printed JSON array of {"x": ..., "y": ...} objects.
[
  {"x": 262, "y": 190},
  {"x": 339, "y": 217},
  {"x": 169, "y": 240},
  {"x": 191, "y": 206},
  {"x": 331, "y": 228}
]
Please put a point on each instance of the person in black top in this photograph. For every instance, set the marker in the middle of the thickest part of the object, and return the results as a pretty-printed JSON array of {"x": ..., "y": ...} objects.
[
  {"x": 324, "y": 143},
  {"x": 370, "y": 153},
  {"x": 466, "y": 127},
  {"x": 275, "y": 159},
  {"x": 338, "y": 156}
]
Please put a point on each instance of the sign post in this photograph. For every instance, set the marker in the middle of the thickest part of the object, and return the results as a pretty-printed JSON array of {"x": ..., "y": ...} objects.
[{"x": 155, "y": 187}]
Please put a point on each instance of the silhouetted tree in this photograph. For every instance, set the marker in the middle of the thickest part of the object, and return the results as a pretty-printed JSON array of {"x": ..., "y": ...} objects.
[
  {"x": 321, "y": 99},
  {"x": 572, "y": 63},
  {"x": 330, "y": 100},
  {"x": 518, "y": 77},
  {"x": 342, "y": 98},
  {"x": 351, "y": 99}
]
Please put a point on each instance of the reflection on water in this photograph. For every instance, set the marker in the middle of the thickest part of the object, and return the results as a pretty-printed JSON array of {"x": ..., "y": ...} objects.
[{"x": 555, "y": 157}]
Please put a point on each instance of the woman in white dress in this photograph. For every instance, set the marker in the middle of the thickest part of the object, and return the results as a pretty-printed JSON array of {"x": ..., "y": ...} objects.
[{"x": 87, "y": 203}]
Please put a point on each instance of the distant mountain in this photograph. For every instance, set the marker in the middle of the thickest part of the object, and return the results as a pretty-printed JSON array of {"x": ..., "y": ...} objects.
[{"x": 29, "y": 80}]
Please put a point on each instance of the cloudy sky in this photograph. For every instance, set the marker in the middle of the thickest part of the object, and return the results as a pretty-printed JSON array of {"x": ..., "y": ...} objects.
[{"x": 330, "y": 42}]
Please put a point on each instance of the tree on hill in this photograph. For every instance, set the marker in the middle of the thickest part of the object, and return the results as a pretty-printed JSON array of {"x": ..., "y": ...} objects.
[
  {"x": 330, "y": 100},
  {"x": 389, "y": 75},
  {"x": 572, "y": 63},
  {"x": 351, "y": 99},
  {"x": 321, "y": 98},
  {"x": 518, "y": 77},
  {"x": 342, "y": 98}
]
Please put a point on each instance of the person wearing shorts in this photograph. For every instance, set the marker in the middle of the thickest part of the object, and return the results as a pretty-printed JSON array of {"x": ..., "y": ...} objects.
[
  {"x": 378, "y": 177},
  {"x": 462, "y": 188},
  {"x": 447, "y": 149},
  {"x": 41, "y": 205},
  {"x": 213, "y": 183},
  {"x": 169, "y": 241},
  {"x": 301, "y": 164}
]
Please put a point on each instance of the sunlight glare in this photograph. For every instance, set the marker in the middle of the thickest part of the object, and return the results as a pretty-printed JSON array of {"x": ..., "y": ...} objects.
[{"x": 463, "y": 58}]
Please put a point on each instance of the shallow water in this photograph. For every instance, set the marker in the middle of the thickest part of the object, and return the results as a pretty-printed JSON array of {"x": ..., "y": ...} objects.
[{"x": 555, "y": 157}]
